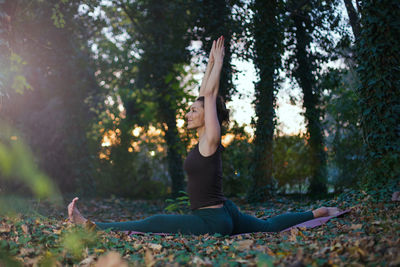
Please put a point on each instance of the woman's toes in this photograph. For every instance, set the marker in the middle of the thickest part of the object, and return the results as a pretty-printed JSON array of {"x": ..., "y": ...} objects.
[
  {"x": 73, "y": 211},
  {"x": 70, "y": 211}
]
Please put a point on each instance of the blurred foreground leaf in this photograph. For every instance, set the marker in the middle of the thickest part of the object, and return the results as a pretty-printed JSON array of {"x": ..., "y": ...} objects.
[{"x": 17, "y": 162}]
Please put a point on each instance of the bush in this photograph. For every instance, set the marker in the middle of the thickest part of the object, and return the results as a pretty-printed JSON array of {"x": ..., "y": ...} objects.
[
  {"x": 236, "y": 160},
  {"x": 292, "y": 162}
]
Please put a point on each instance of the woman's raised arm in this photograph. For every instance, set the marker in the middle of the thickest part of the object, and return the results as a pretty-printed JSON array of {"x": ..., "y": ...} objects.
[
  {"x": 212, "y": 127},
  {"x": 210, "y": 65}
]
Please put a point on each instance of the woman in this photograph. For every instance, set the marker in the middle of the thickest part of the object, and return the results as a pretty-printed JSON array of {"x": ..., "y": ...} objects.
[{"x": 211, "y": 211}]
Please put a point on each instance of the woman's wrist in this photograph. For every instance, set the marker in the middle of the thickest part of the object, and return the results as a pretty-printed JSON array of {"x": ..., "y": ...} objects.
[
  {"x": 217, "y": 66},
  {"x": 218, "y": 63}
]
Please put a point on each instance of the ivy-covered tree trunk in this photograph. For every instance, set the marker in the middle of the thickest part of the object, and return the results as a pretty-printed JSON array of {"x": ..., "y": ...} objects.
[
  {"x": 267, "y": 44},
  {"x": 174, "y": 153},
  {"x": 304, "y": 75},
  {"x": 378, "y": 57}
]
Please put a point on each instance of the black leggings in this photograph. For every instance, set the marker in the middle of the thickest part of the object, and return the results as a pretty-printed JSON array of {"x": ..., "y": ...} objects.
[{"x": 227, "y": 220}]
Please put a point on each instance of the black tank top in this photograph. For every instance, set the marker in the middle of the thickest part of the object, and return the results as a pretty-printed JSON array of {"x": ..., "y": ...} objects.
[{"x": 204, "y": 178}]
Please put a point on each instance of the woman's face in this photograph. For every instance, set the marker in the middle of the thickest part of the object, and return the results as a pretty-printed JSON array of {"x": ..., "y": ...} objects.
[{"x": 195, "y": 116}]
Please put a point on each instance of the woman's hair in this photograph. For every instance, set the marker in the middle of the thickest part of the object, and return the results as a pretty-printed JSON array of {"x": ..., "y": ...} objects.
[{"x": 222, "y": 111}]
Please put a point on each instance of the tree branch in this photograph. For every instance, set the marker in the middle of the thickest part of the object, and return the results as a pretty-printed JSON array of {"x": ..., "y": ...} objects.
[{"x": 354, "y": 19}]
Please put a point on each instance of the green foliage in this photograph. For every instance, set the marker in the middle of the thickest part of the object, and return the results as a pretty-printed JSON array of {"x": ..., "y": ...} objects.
[
  {"x": 378, "y": 56},
  {"x": 17, "y": 166},
  {"x": 152, "y": 84},
  {"x": 76, "y": 240},
  {"x": 17, "y": 162},
  {"x": 12, "y": 77},
  {"x": 311, "y": 23},
  {"x": 292, "y": 164},
  {"x": 133, "y": 174},
  {"x": 236, "y": 160},
  {"x": 7, "y": 260},
  {"x": 342, "y": 122},
  {"x": 57, "y": 16},
  {"x": 129, "y": 67},
  {"x": 180, "y": 204}
]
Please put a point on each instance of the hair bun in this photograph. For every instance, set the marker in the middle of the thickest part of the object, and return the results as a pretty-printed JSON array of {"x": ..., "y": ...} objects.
[{"x": 222, "y": 111}]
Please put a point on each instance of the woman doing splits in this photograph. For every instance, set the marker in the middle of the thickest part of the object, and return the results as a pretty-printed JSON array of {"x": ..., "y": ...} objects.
[{"x": 211, "y": 211}]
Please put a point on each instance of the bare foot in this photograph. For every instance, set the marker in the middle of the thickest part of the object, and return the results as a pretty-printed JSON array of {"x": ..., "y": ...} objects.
[
  {"x": 73, "y": 213},
  {"x": 325, "y": 211}
]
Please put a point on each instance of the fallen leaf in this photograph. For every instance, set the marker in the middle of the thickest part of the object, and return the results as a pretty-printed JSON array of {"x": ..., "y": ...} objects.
[
  {"x": 87, "y": 262},
  {"x": 25, "y": 228},
  {"x": 111, "y": 259},
  {"x": 155, "y": 247},
  {"x": 200, "y": 262},
  {"x": 149, "y": 258},
  {"x": 26, "y": 251},
  {"x": 58, "y": 232},
  {"x": 293, "y": 234},
  {"x": 5, "y": 228},
  {"x": 242, "y": 261},
  {"x": 244, "y": 244},
  {"x": 356, "y": 226}
]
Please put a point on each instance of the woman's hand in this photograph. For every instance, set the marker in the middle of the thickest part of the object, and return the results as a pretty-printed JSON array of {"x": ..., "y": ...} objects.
[
  {"x": 211, "y": 67},
  {"x": 218, "y": 50},
  {"x": 211, "y": 56}
]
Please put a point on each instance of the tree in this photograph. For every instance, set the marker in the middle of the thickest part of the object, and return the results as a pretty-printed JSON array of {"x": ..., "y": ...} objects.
[
  {"x": 309, "y": 25},
  {"x": 378, "y": 57},
  {"x": 53, "y": 115},
  {"x": 267, "y": 59},
  {"x": 342, "y": 122},
  {"x": 353, "y": 18},
  {"x": 211, "y": 20},
  {"x": 162, "y": 32}
]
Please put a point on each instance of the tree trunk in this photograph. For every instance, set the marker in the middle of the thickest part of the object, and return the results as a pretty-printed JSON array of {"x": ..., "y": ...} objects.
[
  {"x": 304, "y": 76},
  {"x": 174, "y": 152},
  {"x": 267, "y": 59},
  {"x": 353, "y": 17},
  {"x": 378, "y": 56},
  {"x": 216, "y": 22}
]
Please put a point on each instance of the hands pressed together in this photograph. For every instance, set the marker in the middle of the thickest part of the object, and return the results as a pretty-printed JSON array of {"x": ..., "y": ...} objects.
[
  {"x": 214, "y": 66},
  {"x": 217, "y": 52}
]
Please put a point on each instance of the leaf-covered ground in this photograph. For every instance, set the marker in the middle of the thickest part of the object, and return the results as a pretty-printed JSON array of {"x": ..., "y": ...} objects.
[{"x": 369, "y": 235}]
